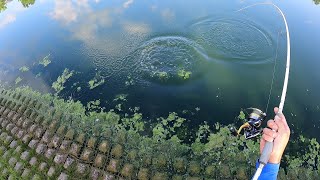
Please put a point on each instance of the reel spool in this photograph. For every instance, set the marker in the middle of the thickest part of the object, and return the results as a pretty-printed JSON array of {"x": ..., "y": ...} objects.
[{"x": 252, "y": 125}]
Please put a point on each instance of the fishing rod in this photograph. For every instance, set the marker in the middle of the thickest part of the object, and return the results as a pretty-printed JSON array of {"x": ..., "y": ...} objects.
[{"x": 252, "y": 126}]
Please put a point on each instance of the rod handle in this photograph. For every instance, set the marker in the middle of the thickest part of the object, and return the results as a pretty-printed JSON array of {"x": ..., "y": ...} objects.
[{"x": 266, "y": 152}]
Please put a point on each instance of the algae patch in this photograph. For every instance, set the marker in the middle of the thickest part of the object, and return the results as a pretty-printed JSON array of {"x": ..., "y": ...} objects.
[
  {"x": 96, "y": 81},
  {"x": 161, "y": 75},
  {"x": 58, "y": 85},
  {"x": 184, "y": 74},
  {"x": 24, "y": 69},
  {"x": 45, "y": 61},
  {"x": 18, "y": 80}
]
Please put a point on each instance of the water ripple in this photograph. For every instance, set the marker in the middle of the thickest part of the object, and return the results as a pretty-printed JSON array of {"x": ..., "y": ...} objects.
[
  {"x": 234, "y": 38},
  {"x": 169, "y": 55}
]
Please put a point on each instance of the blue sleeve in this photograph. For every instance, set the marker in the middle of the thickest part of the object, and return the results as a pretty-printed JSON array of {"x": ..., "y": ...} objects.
[{"x": 269, "y": 172}]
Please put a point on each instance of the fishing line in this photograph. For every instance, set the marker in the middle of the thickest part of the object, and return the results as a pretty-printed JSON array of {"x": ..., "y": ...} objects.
[{"x": 273, "y": 74}]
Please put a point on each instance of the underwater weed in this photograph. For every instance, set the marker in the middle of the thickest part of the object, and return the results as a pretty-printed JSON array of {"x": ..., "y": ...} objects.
[
  {"x": 58, "y": 85},
  {"x": 96, "y": 81},
  {"x": 184, "y": 74},
  {"x": 24, "y": 69},
  {"x": 45, "y": 61}
]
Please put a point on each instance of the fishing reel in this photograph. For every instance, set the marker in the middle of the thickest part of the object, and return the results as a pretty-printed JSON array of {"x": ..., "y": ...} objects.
[{"x": 252, "y": 125}]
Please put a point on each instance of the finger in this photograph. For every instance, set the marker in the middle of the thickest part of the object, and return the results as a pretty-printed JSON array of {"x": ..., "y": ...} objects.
[
  {"x": 270, "y": 132},
  {"x": 271, "y": 124},
  {"x": 280, "y": 124},
  {"x": 278, "y": 120},
  {"x": 280, "y": 116},
  {"x": 267, "y": 137}
]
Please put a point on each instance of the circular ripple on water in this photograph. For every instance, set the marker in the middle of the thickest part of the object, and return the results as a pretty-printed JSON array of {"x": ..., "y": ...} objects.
[
  {"x": 235, "y": 39},
  {"x": 169, "y": 55}
]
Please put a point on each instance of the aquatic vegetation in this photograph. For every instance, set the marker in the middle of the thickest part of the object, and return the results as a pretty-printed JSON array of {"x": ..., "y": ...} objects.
[
  {"x": 129, "y": 81},
  {"x": 121, "y": 97},
  {"x": 167, "y": 126},
  {"x": 38, "y": 75},
  {"x": 96, "y": 81},
  {"x": 24, "y": 69},
  {"x": 242, "y": 116},
  {"x": 45, "y": 61},
  {"x": 203, "y": 132},
  {"x": 118, "y": 107},
  {"x": 26, "y": 117},
  {"x": 18, "y": 80},
  {"x": 94, "y": 105},
  {"x": 58, "y": 85},
  {"x": 135, "y": 123},
  {"x": 184, "y": 74},
  {"x": 134, "y": 110},
  {"x": 161, "y": 75}
]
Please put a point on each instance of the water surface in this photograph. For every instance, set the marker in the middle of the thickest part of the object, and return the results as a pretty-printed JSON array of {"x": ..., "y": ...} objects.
[{"x": 130, "y": 44}]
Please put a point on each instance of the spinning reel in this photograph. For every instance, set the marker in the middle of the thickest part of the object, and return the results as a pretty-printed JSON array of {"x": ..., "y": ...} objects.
[{"x": 252, "y": 126}]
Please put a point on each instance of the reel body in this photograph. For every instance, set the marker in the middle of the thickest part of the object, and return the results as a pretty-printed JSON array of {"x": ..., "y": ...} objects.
[{"x": 252, "y": 125}]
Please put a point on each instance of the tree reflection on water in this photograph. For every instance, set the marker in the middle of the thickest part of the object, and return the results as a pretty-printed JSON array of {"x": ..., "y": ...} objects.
[{"x": 25, "y": 3}]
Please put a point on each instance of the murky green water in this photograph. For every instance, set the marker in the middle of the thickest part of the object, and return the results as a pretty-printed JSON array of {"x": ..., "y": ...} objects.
[{"x": 202, "y": 59}]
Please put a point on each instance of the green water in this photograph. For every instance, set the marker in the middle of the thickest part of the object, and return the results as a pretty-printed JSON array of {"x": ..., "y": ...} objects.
[{"x": 145, "y": 49}]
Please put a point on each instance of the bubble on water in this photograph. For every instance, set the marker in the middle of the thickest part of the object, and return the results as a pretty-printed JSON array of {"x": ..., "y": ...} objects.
[{"x": 235, "y": 39}]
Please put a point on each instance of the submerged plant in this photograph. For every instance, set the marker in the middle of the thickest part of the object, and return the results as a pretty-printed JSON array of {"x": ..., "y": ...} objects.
[
  {"x": 94, "y": 105},
  {"x": 242, "y": 116},
  {"x": 38, "y": 75},
  {"x": 167, "y": 126},
  {"x": 184, "y": 74},
  {"x": 18, "y": 80},
  {"x": 58, "y": 85},
  {"x": 45, "y": 61},
  {"x": 96, "y": 81},
  {"x": 129, "y": 81},
  {"x": 134, "y": 123},
  {"x": 133, "y": 153},
  {"x": 24, "y": 69},
  {"x": 161, "y": 75},
  {"x": 121, "y": 97}
]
